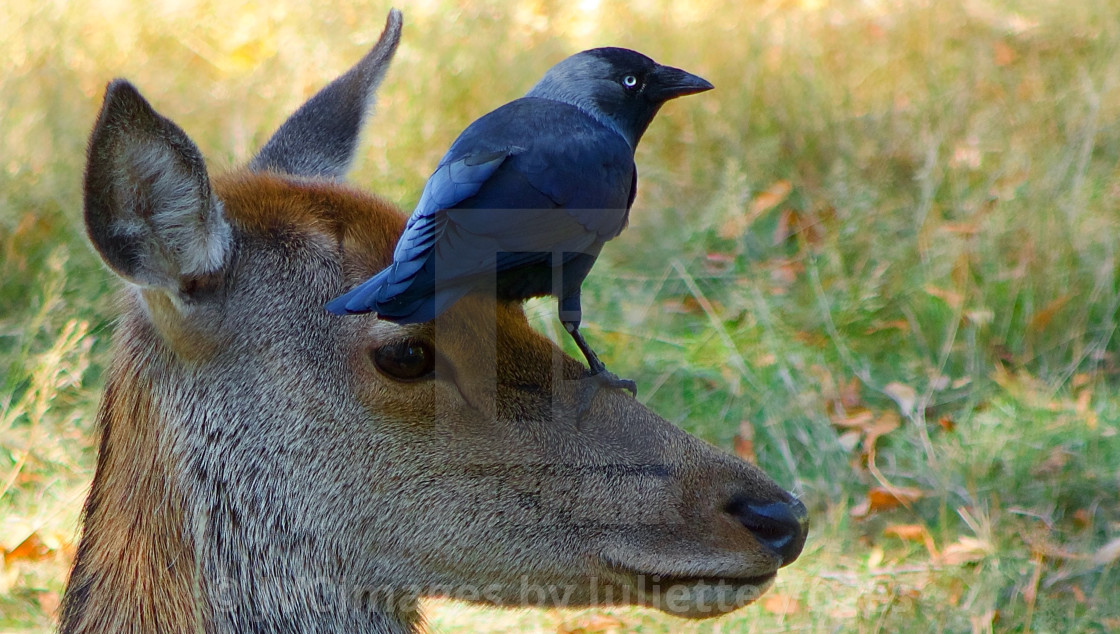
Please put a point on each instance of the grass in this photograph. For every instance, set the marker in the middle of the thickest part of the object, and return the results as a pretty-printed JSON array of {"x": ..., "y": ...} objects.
[{"x": 884, "y": 251}]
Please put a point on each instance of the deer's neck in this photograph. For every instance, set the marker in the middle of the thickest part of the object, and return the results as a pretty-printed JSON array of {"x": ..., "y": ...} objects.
[
  {"x": 167, "y": 546},
  {"x": 135, "y": 568}
]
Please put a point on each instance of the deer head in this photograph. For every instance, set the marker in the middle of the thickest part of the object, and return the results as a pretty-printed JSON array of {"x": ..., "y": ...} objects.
[{"x": 267, "y": 466}]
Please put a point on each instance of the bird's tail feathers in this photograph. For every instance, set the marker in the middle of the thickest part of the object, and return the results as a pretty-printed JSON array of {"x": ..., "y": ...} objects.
[
  {"x": 360, "y": 299},
  {"x": 404, "y": 295}
]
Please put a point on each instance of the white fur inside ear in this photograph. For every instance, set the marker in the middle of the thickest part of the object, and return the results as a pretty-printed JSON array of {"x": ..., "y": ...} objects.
[{"x": 174, "y": 211}]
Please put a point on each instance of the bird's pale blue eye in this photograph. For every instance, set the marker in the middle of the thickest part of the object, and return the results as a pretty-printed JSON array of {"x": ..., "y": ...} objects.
[{"x": 629, "y": 81}]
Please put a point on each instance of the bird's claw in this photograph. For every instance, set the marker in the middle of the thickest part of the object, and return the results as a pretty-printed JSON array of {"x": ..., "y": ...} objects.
[
  {"x": 589, "y": 386},
  {"x": 609, "y": 379}
]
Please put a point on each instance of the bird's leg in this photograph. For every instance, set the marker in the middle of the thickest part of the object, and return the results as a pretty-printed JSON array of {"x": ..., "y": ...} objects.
[{"x": 570, "y": 316}]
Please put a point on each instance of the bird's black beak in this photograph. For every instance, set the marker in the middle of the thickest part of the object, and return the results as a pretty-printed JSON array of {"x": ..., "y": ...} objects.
[{"x": 666, "y": 82}]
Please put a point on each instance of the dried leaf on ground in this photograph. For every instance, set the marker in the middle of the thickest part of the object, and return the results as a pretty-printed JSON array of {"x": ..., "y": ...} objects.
[
  {"x": 781, "y": 604},
  {"x": 985, "y": 622},
  {"x": 883, "y": 425},
  {"x": 743, "y": 442},
  {"x": 884, "y": 499},
  {"x": 1043, "y": 317},
  {"x": 965, "y": 550},
  {"x": 952, "y": 298},
  {"x": 900, "y": 325},
  {"x": 1002, "y": 53},
  {"x": 682, "y": 305},
  {"x": 907, "y": 532},
  {"x": 1054, "y": 463},
  {"x": 30, "y": 549},
  {"x": 594, "y": 623},
  {"x": 903, "y": 395},
  {"x": 854, "y": 418},
  {"x": 916, "y": 533},
  {"x": 1107, "y": 554},
  {"x": 48, "y": 602},
  {"x": 771, "y": 197}
]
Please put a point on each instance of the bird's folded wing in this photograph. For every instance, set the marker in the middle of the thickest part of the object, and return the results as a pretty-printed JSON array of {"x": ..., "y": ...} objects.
[{"x": 451, "y": 183}]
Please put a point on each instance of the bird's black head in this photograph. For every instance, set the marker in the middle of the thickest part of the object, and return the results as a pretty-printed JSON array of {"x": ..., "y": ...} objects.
[{"x": 623, "y": 88}]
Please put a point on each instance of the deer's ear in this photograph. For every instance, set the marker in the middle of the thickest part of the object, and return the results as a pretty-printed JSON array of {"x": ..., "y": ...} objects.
[
  {"x": 149, "y": 209},
  {"x": 320, "y": 139}
]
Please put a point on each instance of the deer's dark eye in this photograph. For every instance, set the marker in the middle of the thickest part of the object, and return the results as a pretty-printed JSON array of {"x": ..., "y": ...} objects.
[{"x": 405, "y": 360}]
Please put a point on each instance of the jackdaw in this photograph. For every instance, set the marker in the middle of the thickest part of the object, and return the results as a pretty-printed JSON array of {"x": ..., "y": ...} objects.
[{"x": 528, "y": 194}]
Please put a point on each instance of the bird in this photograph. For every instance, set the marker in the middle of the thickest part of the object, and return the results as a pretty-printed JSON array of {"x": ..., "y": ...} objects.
[{"x": 527, "y": 195}]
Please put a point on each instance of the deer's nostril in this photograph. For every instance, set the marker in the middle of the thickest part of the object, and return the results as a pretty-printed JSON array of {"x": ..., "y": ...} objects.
[{"x": 779, "y": 526}]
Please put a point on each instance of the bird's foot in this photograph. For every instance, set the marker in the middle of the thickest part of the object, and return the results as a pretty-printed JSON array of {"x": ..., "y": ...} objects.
[
  {"x": 589, "y": 386},
  {"x": 606, "y": 378}
]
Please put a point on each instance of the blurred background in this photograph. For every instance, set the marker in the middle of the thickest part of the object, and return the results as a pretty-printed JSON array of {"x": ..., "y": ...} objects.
[{"x": 880, "y": 260}]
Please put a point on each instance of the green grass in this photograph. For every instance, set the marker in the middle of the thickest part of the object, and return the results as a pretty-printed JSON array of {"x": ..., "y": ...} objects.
[{"x": 885, "y": 210}]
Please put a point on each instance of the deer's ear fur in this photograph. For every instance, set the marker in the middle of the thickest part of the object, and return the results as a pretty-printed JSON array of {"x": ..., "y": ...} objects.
[
  {"x": 149, "y": 208},
  {"x": 320, "y": 139}
]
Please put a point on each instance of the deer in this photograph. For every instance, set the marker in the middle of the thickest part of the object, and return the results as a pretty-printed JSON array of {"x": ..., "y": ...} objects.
[{"x": 267, "y": 466}]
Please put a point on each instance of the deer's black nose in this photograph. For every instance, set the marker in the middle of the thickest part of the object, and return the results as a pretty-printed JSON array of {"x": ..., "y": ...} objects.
[{"x": 779, "y": 526}]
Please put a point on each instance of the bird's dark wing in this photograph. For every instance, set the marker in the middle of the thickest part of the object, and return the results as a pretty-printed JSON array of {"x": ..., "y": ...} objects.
[
  {"x": 530, "y": 179},
  {"x": 452, "y": 182},
  {"x": 570, "y": 188}
]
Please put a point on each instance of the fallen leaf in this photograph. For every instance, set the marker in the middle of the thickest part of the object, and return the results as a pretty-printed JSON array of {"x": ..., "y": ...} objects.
[
  {"x": 1002, "y": 54},
  {"x": 737, "y": 224},
  {"x": 683, "y": 305},
  {"x": 907, "y": 532},
  {"x": 1054, "y": 463},
  {"x": 983, "y": 623},
  {"x": 744, "y": 442},
  {"x": 1084, "y": 399},
  {"x": 900, "y": 325},
  {"x": 591, "y": 623},
  {"x": 855, "y": 418},
  {"x": 903, "y": 395},
  {"x": 783, "y": 273},
  {"x": 861, "y": 510},
  {"x": 1082, "y": 518},
  {"x": 788, "y": 222},
  {"x": 849, "y": 394},
  {"x": 765, "y": 360},
  {"x": 849, "y": 440},
  {"x": 952, "y": 298},
  {"x": 1083, "y": 407},
  {"x": 979, "y": 317},
  {"x": 30, "y": 549},
  {"x": 770, "y": 197},
  {"x": 1107, "y": 554},
  {"x": 875, "y": 558},
  {"x": 843, "y": 613},
  {"x": 914, "y": 533},
  {"x": 961, "y": 228},
  {"x": 1042, "y": 318},
  {"x": 884, "y": 499},
  {"x": 947, "y": 424},
  {"x": 964, "y": 551},
  {"x": 966, "y": 155},
  {"x": 885, "y": 424},
  {"x": 781, "y": 604},
  {"x": 48, "y": 602},
  {"x": 719, "y": 263}
]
